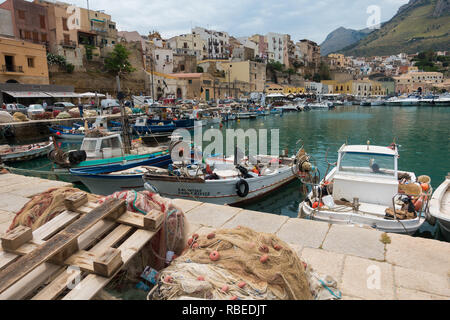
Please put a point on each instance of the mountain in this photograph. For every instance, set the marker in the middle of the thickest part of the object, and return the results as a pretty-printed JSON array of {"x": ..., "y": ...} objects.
[
  {"x": 341, "y": 38},
  {"x": 419, "y": 25}
]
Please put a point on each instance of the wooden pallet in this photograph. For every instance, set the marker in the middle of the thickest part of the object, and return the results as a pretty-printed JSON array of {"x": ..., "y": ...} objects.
[{"x": 78, "y": 245}]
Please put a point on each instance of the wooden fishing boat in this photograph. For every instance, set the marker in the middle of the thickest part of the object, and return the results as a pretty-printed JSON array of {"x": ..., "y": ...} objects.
[
  {"x": 440, "y": 207},
  {"x": 24, "y": 152}
]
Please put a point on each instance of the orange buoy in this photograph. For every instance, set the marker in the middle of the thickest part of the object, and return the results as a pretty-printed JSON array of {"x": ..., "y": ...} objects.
[
  {"x": 214, "y": 256},
  {"x": 264, "y": 258},
  {"x": 195, "y": 245},
  {"x": 315, "y": 205},
  {"x": 277, "y": 247},
  {"x": 195, "y": 236},
  {"x": 211, "y": 235},
  {"x": 425, "y": 186},
  {"x": 168, "y": 279},
  {"x": 321, "y": 205},
  {"x": 241, "y": 284},
  {"x": 264, "y": 248},
  {"x": 190, "y": 240},
  {"x": 201, "y": 278},
  {"x": 234, "y": 298},
  {"x": 224, "y": 289}
]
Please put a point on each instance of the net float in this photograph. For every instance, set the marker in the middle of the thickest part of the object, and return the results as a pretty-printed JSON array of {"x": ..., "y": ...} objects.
[
  {"x": 211, "y": 236},
  {"x": 264, "y": 258},
  {"x": 214, "y": 256}
]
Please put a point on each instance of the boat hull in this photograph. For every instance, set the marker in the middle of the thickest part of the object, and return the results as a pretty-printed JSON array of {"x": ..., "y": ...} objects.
[
  {"x": 27, "y": 155},
  {"x": 221, "y": 192},
  {"x": 353, "y": 218}
]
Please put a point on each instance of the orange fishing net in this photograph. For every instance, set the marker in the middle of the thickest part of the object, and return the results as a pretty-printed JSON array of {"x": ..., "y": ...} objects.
[{"x": 238, "y": 263}]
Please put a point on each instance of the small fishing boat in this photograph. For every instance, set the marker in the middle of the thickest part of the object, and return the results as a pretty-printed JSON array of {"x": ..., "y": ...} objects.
[
  {"x": 24, "y": 152},
  {"x": 224, "y": 180},
  {"x": 440, "y": 207},
  {"x": 144, "y": 126},
  {"x": 365, "y": 103},
  {"x": 366, "y": 188},
  {"x": 67, "y": 133},
  {"x": 155, "y": 139}
]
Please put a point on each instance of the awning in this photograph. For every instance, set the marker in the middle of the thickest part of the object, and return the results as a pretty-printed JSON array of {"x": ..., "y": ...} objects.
[
  {"x": 27, "y": 94},
  {"x": 63, "y": 94}
]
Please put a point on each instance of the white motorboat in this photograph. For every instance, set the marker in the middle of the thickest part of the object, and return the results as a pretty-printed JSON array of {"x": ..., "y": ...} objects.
[
  {"x": 225, "y": 182},
  {"x": 320, "y": 105},
  {"x": 440, "y": 207},
  {"x": 366, "y": 188}
]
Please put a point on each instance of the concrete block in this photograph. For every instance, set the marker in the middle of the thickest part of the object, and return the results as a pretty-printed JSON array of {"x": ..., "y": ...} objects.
[
  {"x": 306, "y": 233},
  {"x": 419, "y": 254},
  {"x": 422, "y": 281},
  {"x": 11, "y": 202},
  {"x": 186, "y": 205},
  {"x": 324, "y": 262},
  {"x": 367, "y": 279},
  {"x": 355, "y": 241},
  {"x": 211, "y": 215},
  {"x": 258, "y": 221},
  {"x": 407, "y": 294}
]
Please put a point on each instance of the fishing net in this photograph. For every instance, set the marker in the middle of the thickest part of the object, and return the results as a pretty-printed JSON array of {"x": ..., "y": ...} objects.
[
  {"x": 43, "y": 207},
  {"x": 249, "y": 265},
  {"x": 5, "y": 117},
  {"x": 20, "y": 117},
  {"x": 63, "y": 115}
]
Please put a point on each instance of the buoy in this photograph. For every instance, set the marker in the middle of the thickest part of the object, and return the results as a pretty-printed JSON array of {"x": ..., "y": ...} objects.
[
  {"x": 277, "y": 247},
  {"x": 58, "y": 133},
  {"x": 425, "y": 186},
  {"x": 211, "y": 236},
  {"x": 315, "y": 205},
  {"x": 264, "y": 258},
  {"x": 190, "y": 240},
  {"x": 321, "y": 205},
  {"x": 168, "y": 279},
  {"x": 214, "y": 256},
  {"x": 241, "y": 284},
  {"x": 264, "y": 248},
  {"x": 234, "y": 298},
  {"x": 195, "y": 236},
  {"x": 195, "y": 245},
  {"x": 201, "y": 278},
  {"x": 224, "y": 289}
]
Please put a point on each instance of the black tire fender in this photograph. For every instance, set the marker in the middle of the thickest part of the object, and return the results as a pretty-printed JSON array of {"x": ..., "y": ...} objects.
[{"x": 246, "y": 188}]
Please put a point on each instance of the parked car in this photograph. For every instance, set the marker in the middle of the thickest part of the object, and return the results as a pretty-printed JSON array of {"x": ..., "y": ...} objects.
[
  {"x": 62, "y": 106},
  {"x": 16, "y": 107},
  {"x": 35, "y": 109}
]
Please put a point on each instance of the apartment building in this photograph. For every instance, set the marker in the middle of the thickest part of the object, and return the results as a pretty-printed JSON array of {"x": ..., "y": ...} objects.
[
  {"x": 188, "y": 44},
  {"x": 416, "y": 81},
  {"x": 23, "y": 62},
  {"x": 217, "y": 43},
  {"x": 277, "y": 47}
]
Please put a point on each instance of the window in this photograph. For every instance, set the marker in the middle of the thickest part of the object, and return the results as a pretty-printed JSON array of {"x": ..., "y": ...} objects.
[
  {"x": 182, "y": 67},
  {"x": 42, "y": 21},
  {"x": 21, "y": 14},
  {"x": 21, "y": 34},
  {"x": 27, "y": 35},
  {"x": 190, "y": 81},
  {"x": 64, "y": 24},
  {"x": 35, "y": 37},
  {"x": 66, "y": 39},
  {"x": 157, "y": 57},
  {"x": 30, "y": 62},
  {"x": 44, "y": 37}
]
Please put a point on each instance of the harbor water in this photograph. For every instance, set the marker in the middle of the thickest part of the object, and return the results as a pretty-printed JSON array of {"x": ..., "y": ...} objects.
[{"x": 423, "y": 134}]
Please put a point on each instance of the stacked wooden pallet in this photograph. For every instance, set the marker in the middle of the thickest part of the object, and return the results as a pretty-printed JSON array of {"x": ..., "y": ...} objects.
[{"x": 76, "y": 254}]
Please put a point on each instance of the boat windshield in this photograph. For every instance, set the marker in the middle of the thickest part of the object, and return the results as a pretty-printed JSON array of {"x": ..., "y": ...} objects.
[
  {"x": 368, "y": 164},
  {"x": 89, "y": 145}
]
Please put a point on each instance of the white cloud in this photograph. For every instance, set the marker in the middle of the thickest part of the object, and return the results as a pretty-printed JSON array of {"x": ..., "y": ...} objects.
[{"x": 299, "y": 18}]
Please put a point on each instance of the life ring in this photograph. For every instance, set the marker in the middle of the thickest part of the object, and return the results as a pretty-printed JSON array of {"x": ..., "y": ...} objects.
[{"x": 238, "y": 188}]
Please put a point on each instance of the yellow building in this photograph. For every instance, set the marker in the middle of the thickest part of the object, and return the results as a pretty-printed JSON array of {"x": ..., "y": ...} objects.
[
  {"x": 293, "y": 90},
  {"x": 23, "y": 62},
  {"x": 274, "y": 88},
  {"x": 363, "y": 88},
  {"x": 188, "y": 44},
  {"x": 339, "y": 87},
  {"x": 250, "y": 72}
]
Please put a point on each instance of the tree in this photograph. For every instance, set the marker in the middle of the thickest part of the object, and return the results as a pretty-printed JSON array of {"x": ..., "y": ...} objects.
[{"x": 117, "y": 61}]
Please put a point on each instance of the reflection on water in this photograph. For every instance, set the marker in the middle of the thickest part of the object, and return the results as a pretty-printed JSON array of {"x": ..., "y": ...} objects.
[{"x": 423, "y": 134}]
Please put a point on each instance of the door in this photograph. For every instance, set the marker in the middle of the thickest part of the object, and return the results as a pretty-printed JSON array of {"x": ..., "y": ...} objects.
[{"x": 207, "y": 94}]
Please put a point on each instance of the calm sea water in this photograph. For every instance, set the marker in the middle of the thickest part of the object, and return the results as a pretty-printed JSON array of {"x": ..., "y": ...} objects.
[{"x": 423, "y": 134}]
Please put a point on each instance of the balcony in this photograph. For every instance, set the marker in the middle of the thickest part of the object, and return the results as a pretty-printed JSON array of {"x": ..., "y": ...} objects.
[
  {"x": 12, "y": 68},
  {"x": 68, "y": 44}
]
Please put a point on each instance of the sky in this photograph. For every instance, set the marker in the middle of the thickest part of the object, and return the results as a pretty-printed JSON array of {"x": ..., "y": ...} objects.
[{"x": 302, "y": 19}]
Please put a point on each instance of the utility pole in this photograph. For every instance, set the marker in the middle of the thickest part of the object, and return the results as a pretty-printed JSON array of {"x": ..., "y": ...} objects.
[
  {"x": 229, "y": 83},
  {"x": 125, "y": 124},
  {"x": 151, "y": 72}
]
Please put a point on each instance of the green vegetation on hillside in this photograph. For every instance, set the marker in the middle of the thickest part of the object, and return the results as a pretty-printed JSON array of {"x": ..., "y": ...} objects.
[{"x": 412, "y": 30}]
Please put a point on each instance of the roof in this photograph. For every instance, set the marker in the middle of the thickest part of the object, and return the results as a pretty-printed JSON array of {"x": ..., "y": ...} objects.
[{"x": 368, "y": 149}]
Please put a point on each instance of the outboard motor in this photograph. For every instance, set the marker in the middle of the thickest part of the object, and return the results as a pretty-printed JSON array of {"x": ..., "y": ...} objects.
[{"x": 76, "y": 157}]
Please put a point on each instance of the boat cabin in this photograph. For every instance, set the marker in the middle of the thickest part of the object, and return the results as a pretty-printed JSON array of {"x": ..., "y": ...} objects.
[
  {"x": 368, "y": 173},
  {"x": 101, "y": 122},
  {"x": 103, "y": 147}
]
